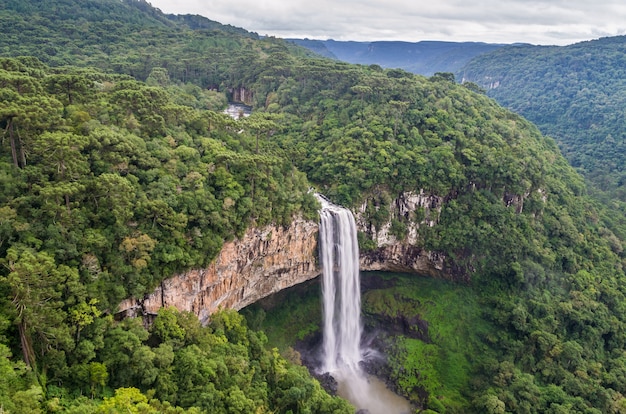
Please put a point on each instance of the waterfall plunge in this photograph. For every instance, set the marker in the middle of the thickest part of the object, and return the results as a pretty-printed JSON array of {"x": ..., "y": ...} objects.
[
  {"x": 339, "y": 259},
  {"x": 341, "y": 292}
]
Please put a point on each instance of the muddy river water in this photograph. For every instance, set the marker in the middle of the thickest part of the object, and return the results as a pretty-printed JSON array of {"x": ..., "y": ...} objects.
[{"x": 371, "y": 394}]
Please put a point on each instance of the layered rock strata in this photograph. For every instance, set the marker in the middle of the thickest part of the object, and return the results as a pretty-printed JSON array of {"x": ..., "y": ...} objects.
[{"x": 264, "y": 261}]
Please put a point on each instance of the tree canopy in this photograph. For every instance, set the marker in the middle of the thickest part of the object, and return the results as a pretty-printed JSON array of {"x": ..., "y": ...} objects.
[{"x": 573, "y": 93}]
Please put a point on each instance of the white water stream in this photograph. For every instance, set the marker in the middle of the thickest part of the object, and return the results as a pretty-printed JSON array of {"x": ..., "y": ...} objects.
[
  {"x": 341, "y": 289},
  {"x": 341, "y": 294}
]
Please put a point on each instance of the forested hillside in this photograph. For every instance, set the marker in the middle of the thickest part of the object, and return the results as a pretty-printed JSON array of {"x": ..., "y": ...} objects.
[
  {"x": 130, "y": 37},
  {"x": 110, "y": 185},
  {"x": 118, "y": 169},
  {"x": 575, "y": 94}
]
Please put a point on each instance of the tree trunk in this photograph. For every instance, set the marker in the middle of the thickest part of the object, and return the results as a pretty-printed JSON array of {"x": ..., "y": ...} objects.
[
  {"x": 12, "y": 141},
  {"x": 67, "y": 204},
  {"x": 22, "y": 153},
  {"x": 27, "y": 347}
]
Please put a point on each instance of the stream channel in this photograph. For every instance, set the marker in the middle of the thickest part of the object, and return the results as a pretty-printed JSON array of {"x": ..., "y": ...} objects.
[{"x": 375, "y": 397}]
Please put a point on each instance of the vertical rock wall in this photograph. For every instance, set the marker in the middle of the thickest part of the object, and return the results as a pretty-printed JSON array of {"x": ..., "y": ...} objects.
[
  {"x": 266, "y": 260},
  {"x": 395, "y": 255}
]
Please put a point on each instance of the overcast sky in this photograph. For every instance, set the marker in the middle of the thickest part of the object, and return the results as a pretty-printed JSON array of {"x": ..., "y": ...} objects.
[{"x": 545, "y": 22}]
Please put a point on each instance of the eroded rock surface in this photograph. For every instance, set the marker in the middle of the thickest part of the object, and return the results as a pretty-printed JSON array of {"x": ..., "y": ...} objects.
[{"x": 266, "y": 260}]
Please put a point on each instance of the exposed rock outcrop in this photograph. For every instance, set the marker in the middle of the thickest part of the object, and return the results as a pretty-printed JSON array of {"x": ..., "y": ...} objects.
[
  {"x": 400, "y": 257},
  {"x": 405, "y": 205},
  {"x": 242, "y": 94},
  {"x": 404, "y": 255},
  {"x": 264, "y": 261}
]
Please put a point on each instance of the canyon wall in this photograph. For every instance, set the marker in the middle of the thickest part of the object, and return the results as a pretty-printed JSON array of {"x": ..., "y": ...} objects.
[
  {"x": 242, "y": 94},
  {"x": 403, "y": 255},
  {"x": 264, "y": 261},
  {"x": 269, "y": 259}
]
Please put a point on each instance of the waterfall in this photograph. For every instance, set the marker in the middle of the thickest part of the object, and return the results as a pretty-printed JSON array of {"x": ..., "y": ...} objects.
[
  {"x": 341, "y": 291},
  {"x": 341, "y": 307}
]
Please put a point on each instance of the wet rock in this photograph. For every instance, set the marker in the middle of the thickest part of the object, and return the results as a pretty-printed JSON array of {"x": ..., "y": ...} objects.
[
  {"x": 327, "y": 382},
  {"x": 373, "y": 281}
]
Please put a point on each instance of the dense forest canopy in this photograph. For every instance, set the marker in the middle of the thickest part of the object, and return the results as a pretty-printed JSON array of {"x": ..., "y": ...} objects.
[
  {"x": 130, "y": 37},
  {"x": 119, "y": 169},
  {"x": 110, "y": 185},
  {"x": 575, "y": 94}
]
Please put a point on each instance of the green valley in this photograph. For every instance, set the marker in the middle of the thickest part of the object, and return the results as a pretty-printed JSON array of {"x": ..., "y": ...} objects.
[{"x": 119, "y": 169}]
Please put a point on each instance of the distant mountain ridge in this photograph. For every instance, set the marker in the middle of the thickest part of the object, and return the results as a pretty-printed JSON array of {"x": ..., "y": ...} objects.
[{"x": 424, "y": 58}]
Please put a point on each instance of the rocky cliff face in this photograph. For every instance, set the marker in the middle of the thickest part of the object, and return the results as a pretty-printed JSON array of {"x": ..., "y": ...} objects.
[
  {"x": 242, "y": 94},
  {"x": 263, "y": 262},
  {"x": 267, "y": 260},
  {"x": 404, "y": 255}
]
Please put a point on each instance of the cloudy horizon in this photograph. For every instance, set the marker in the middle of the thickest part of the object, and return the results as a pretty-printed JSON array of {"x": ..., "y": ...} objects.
[{"x": 544, "y": 22}]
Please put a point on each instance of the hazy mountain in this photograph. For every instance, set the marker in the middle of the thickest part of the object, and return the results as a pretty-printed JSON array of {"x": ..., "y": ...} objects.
[{"x": 424, "y": 58}]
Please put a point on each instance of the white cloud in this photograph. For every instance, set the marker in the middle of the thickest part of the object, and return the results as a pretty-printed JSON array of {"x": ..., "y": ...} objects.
[{"x": 504, "y": 21}]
